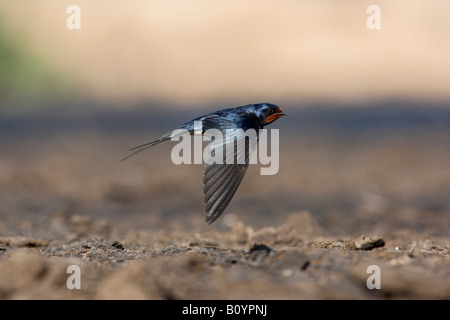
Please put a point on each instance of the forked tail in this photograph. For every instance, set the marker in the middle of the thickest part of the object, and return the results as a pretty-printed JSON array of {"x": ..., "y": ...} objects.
[{"x": 147, "y": 145}]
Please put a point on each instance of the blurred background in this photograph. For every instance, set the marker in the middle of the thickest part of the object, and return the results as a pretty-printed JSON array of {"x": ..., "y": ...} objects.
[
  {"x": 365, "y": 147},
  {"x": 205, "y": 53}
]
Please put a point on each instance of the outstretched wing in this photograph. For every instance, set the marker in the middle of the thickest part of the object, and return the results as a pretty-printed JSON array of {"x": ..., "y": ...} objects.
[{"x": 221, "y": 180}]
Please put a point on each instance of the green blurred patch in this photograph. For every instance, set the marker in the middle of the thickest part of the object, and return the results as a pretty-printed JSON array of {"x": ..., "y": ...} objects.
[{"x": 26, "y": 79}]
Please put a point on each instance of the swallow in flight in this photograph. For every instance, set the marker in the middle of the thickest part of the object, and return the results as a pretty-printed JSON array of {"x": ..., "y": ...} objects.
[{"x": 221, "y": 180}]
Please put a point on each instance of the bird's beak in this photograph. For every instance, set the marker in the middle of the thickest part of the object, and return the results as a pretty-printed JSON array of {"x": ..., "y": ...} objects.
[{"x": 281, "y": 112}]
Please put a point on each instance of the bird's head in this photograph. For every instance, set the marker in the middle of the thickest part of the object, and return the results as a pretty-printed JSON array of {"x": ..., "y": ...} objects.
[{"x": 267, "y": 113}]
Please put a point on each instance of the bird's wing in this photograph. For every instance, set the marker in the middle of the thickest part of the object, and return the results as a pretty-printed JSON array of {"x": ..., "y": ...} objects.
[{"x": 221, "y": 180}]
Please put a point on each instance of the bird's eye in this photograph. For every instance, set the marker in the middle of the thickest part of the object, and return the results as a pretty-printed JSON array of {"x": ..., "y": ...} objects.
[{"x": 271, "y": 110}]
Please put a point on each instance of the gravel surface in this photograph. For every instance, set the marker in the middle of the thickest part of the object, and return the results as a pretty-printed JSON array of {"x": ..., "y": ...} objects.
[{"x": 341, "y": 202}]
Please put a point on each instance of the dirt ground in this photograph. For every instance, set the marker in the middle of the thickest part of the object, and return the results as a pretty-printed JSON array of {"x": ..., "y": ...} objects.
[{"x": 343, "y": 200}]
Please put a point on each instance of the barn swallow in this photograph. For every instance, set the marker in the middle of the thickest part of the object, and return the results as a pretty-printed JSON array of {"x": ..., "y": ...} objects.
[{"x": 220, "y": 181}]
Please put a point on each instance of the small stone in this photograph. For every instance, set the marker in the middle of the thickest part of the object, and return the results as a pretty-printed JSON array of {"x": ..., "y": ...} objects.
[
  {"x": 261, "y": 248},
  {"x": 117, "y": 245},
  {"x": 287, "y": 272},
  {"x": 365, "y": 243}
]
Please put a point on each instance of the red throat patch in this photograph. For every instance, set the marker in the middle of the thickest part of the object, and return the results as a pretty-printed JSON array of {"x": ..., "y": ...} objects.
[{"x": 272, "y": 117}]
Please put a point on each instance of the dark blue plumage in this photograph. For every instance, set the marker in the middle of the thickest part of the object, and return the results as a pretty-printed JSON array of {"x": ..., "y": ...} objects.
[{"x": 220, "y": 181}]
